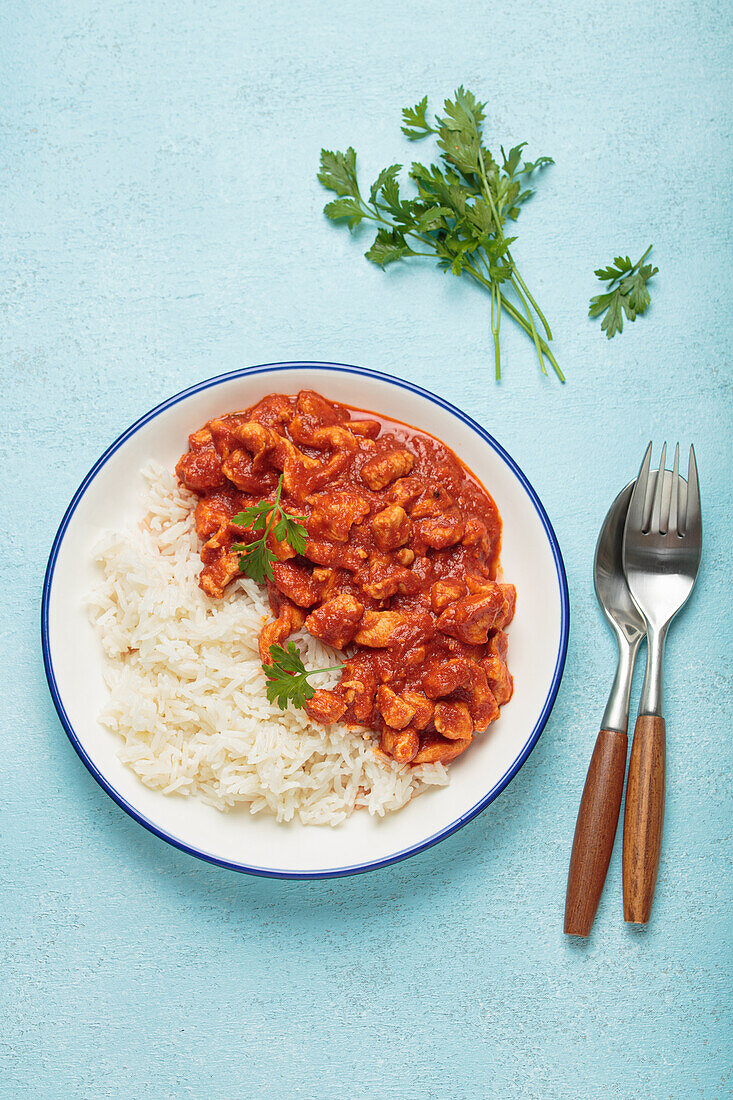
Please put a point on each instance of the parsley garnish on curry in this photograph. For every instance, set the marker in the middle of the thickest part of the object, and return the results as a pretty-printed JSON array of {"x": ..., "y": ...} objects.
[{"x": 380, "y": 542}]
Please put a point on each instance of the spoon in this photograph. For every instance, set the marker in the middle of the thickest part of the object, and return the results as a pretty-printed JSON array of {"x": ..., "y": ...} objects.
[{"x": 595, "y": 828}]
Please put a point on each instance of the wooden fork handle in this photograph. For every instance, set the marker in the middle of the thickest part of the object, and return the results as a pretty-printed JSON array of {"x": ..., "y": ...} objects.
[
  {"x": 643, "y": 817},
  {"x": 595, "y": 830}
]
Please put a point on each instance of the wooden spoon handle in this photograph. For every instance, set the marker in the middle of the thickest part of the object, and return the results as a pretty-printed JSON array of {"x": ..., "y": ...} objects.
[
  {"x": 595, "y": 830},
  {"x": 643, "y": 817}
]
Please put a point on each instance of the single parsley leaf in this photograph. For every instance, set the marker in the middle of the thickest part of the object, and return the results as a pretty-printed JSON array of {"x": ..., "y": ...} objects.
[
  {"x": 383, "y": 180},
  {"x": 338, "y": 172},
  {"x": 416, "y": 126},
  {"x": 346, "y": 208},
  {"x": 287, "y": 677},
  {"x": 389, "y": 245},
  {"x": 254, "y": 516},
  {"x": 627, "y": 293},
  {"x": 291, "y": 529},
  {"x": 513, "y": 159},
  {"x": 636, "y": 288},
  {"x": 256, "y": 561}
]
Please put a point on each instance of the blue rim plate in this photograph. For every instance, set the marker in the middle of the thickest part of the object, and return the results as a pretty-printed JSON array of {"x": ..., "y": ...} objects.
[{"x": 371, "y": 379}]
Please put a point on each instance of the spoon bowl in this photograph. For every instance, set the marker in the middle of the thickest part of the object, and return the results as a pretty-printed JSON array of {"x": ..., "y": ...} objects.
[
  {"x": 600, "y": 804},
  {"x": 612, "y": 591}
]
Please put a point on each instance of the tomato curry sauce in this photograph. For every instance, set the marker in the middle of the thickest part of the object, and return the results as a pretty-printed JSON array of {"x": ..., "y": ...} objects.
[{"x": 399, "y": 567}]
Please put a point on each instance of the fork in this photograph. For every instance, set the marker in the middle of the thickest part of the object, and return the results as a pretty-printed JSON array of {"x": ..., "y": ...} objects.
[{"x": 662, "y": 546}]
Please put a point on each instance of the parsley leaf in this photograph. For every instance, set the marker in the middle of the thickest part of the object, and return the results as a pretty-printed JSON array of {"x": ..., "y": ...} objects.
[
  {"x": 628, "y": 296},
  {"x": 287, "y": 677},
  {"x": 389, "y": 245},
  {"x": 456, "y": 214},
  {"x": 416, "y": 126},
  {"x": 266, "y": 516},
  {"x": 338, "y": 172}
]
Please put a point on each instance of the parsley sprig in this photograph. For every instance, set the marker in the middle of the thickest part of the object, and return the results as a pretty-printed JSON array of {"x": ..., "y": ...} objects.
[
  {"x": 256, "y": 558},
  {"x": 628, "y": 296},
  {"x": 287, "y": 677},
  {"x": 458, "y": 214}
]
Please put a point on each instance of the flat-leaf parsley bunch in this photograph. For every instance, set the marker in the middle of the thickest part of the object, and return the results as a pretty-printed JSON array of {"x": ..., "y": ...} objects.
[{"x": 458, "y": 215}]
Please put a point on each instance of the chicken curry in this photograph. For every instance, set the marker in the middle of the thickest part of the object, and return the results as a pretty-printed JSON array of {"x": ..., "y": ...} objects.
[{"x": 399, "y": 568}]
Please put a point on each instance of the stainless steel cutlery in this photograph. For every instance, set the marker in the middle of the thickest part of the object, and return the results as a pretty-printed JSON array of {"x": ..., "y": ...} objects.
[{"x": 646, "y": 562}]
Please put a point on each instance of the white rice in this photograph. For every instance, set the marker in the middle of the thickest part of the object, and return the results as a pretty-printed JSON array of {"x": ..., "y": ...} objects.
[{"x": 187, "y": 691}]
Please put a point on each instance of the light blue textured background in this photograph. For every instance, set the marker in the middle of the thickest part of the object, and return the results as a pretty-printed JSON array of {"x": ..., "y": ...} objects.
[{"x": 161, "y": 223}]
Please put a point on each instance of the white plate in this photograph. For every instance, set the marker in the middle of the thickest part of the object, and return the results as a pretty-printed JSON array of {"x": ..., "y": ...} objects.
[{"x": 538, "y": 636}]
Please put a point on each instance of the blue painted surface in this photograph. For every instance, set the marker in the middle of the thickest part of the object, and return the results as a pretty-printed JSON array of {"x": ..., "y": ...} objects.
[{"x": 162, "y": 224}]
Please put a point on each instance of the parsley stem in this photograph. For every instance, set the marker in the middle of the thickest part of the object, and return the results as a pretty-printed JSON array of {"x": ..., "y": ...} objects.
[
  {"x": 514, "y": 313},
  {"x": 495, "y": 323},
  {"x": 530, "y": 319},
  {"x": 523, "y": 285},
  {"x": 273, "y": 510},
  {"x": 516, "y": 280},
  {"x": 641, "y": 261}
]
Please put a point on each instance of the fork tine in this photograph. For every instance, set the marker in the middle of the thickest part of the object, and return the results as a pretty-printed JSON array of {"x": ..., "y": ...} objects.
[
  {"x": 692, "y": 515},
  {"x": 655, "y": 520},
  {"x": 635, "y": 514},
  {"x": 674, "y": 495}
]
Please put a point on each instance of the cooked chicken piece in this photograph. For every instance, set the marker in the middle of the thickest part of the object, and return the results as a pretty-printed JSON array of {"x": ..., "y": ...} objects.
[
  {"x": 327, "y": 580},
  {"x": 239, "y": 468},
  {"x": 380, "y": 471},
  {"x": 477, "y": 535},
  {"x": 481, "y": 700},
  {"x": 405, "y": 556},
  {"x": 300, "y": 471},
  {"x": 391, "y": 527},
  {"x": 367, "y": 429},
  {"x": 401, "y": 746},
  {"x": 211, "y": 515},
  {"x": 296, "y": 583},
  {"x": 413, "y": 657},
  {"x": 441, "y": 532},
  {"x": 453, "y": 720},
  {"x": 436, "y": 750},
  {"x": 335, "y": 622},
  {"x": 444, "y": 592},
  {"x": 261, "y": 442},
  {"x": 436, "y": 502},
  {"x": 442, "y": 677},
  {"x": 334, "y": 514},
  {"x": 422, "y": 708},
  {"x": 216, "y": 575},
  {"x": 499, "y": 679},
  {"x": 395, "y": 710},
  {"x": 378, "y": 629},
  {"x": 289, "y": 618},
  {"x": 472, "y": 617},
  {"x": 312, "y": 404},
  {"x": 201, "y": 440},
  {"x": 510, "y": 595},
  {"x": 325, "y": 706},
  {"x": 335, "y": 555},
  {"x": 359, "y": 686},
  {"x": 405, "y": 491},
  {"x": 385, "y": 579},
  {"x": 200, "y": 470},
  {"x": 273, "y": 410},
  {"x": 498, "y": 644}
]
